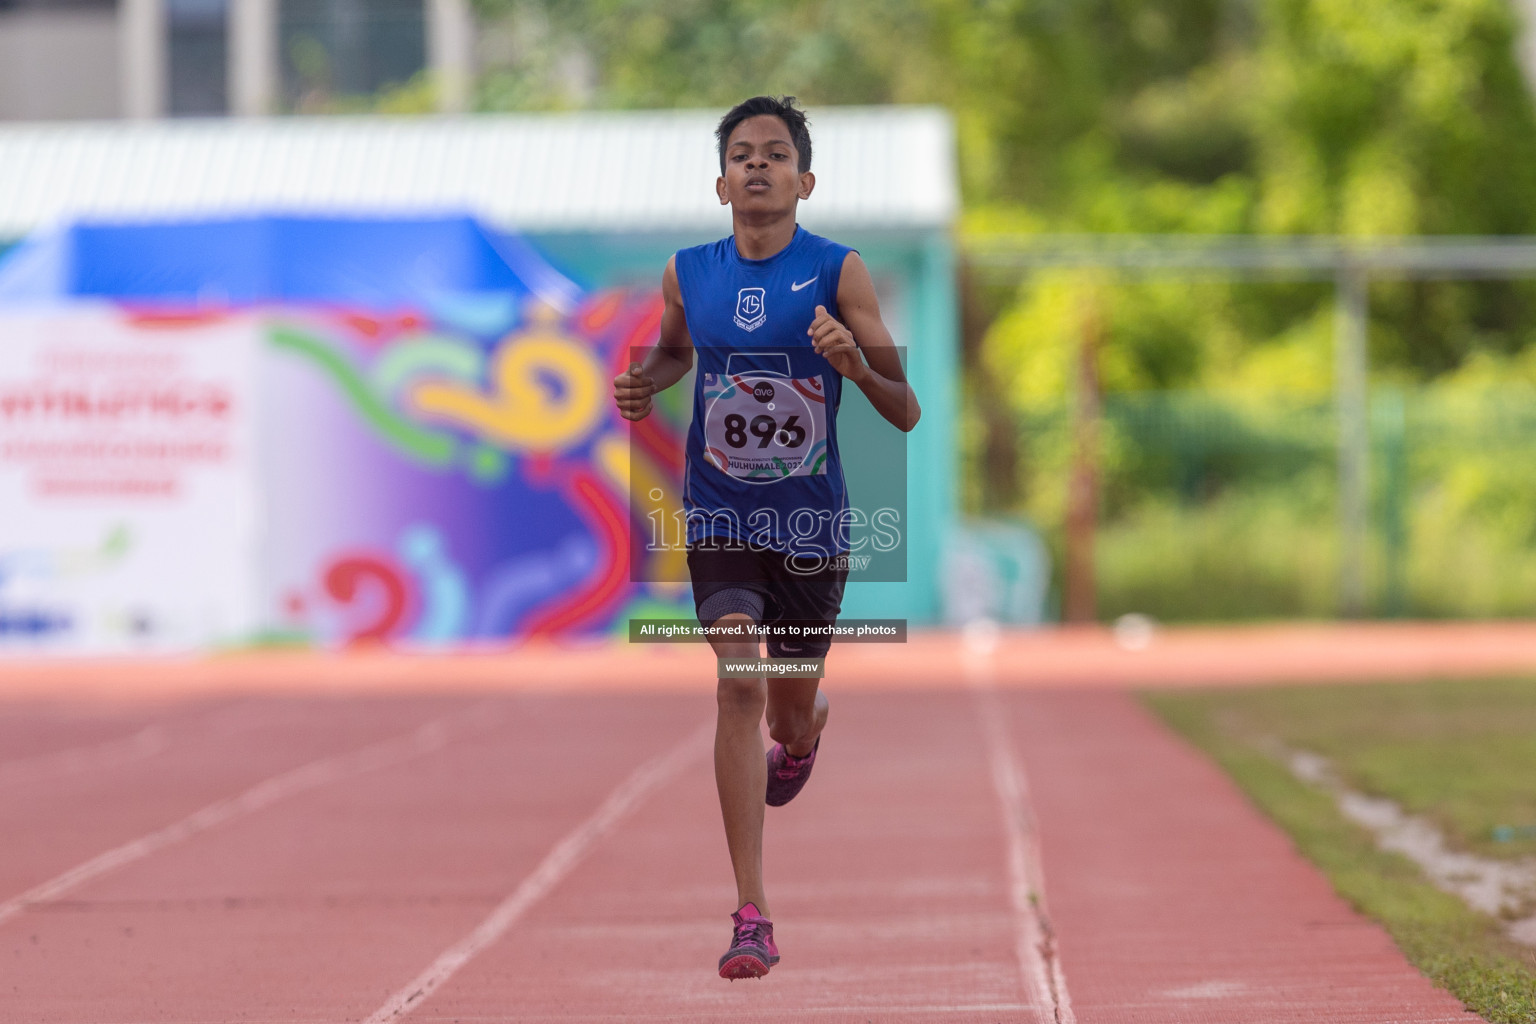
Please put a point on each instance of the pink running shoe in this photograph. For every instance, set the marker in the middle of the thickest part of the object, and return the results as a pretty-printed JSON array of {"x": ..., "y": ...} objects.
[
  {"x": 786, "y": 774},
  {"x": 752, "y": 950}
]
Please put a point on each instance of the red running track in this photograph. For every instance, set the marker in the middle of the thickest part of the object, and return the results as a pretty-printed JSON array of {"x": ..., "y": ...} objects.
[{"x": 527, "y": 856}]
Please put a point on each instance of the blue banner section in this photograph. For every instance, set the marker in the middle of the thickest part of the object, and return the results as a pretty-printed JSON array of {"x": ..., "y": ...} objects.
[{"x": 382, "y": 265}]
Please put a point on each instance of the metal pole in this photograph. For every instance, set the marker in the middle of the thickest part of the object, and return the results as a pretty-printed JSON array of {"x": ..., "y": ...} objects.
[
  {"x": 1391, "y": 416},
  {"x": 1350, "y": 365},
  {"x": 1080, "y": 602}
]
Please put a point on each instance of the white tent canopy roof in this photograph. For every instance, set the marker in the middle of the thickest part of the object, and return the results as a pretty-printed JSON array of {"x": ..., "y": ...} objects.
[{"x": 876, "y": 167}]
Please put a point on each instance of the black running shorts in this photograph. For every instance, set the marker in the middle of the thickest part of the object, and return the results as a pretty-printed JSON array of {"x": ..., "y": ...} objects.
[{"x": 744, "y": 578}]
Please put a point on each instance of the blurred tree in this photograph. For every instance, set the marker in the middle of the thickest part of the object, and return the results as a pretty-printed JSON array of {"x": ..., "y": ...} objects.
[
  {"x": 701, "y": 52},
  {"x": 1358, "y": 117}
]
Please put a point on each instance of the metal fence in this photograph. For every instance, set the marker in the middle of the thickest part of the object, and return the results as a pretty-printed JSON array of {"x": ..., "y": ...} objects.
[
  {"x": 1424, "y": 513},
  {"x": 1215, "y": 506}
]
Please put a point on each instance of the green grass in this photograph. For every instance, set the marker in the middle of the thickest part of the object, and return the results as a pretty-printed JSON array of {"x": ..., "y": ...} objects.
[
  {"x": 1462, "y": 753},
  {"x": 1244, "y": 556}
]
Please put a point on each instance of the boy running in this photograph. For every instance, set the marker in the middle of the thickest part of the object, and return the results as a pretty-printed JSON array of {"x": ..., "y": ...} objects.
[{"x": 779, "y": 318}]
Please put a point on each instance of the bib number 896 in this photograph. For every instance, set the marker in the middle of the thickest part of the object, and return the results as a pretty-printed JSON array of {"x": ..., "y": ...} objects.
[{"x": 791, "y": 435}]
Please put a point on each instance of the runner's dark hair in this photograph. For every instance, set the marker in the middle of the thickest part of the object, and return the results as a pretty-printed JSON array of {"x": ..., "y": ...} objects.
[{"x": 781, "y": 107}]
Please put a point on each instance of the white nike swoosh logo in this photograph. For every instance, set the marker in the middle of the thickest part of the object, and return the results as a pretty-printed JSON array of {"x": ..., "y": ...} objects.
[{"x": 802, "y": 284}]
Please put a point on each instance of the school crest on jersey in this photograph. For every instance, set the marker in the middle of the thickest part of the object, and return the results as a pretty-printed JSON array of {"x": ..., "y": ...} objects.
[{"x": 750, "y": 312}]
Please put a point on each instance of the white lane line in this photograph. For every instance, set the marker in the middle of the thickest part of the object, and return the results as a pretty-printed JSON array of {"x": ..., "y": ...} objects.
[
  {"x": 113, "y": 753},
  {"x": 423, "y": 740},
  {"x": 1039, "y": 958},
  {"x": 671, "y": 1017},
  {"x": 1045, "y": 982},
  {"x": 865, "y": 1011},
  {"x": 558, "y": 863}
]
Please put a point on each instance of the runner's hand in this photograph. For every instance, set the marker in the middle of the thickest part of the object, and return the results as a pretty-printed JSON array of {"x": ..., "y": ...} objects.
[
  {"x": 632, "y": 391},
  {"x": 834, "y": 341}
]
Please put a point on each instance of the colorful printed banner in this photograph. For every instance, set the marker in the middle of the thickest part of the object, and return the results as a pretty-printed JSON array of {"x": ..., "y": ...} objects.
[
  {"x": 454, "y": 478},
  {"x": 334, "y": 431},
  {"x": 318, "y": 476}
]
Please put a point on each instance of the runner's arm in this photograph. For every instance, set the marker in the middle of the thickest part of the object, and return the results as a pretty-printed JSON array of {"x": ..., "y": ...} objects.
[
  {"x": 862, "y": 331},
  {"x": 666, "y": 363}
]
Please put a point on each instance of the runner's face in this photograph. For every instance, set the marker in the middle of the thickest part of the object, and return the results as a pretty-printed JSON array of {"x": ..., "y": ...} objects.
[{"x": 762, "y": 168}]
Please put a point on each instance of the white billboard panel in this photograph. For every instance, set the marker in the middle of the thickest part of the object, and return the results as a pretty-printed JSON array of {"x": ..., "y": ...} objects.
[{"x": 128, "y": 494}]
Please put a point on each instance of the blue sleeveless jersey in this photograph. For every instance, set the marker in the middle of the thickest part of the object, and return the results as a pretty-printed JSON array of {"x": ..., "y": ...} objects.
[{"x": 762, "y": 458}]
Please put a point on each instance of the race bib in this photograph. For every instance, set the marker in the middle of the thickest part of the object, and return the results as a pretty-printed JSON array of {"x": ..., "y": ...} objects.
[{"x": 762, "y": 427}]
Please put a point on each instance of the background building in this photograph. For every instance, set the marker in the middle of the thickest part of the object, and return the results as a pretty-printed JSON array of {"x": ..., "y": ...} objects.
[{"x": 100, "y": 59}]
